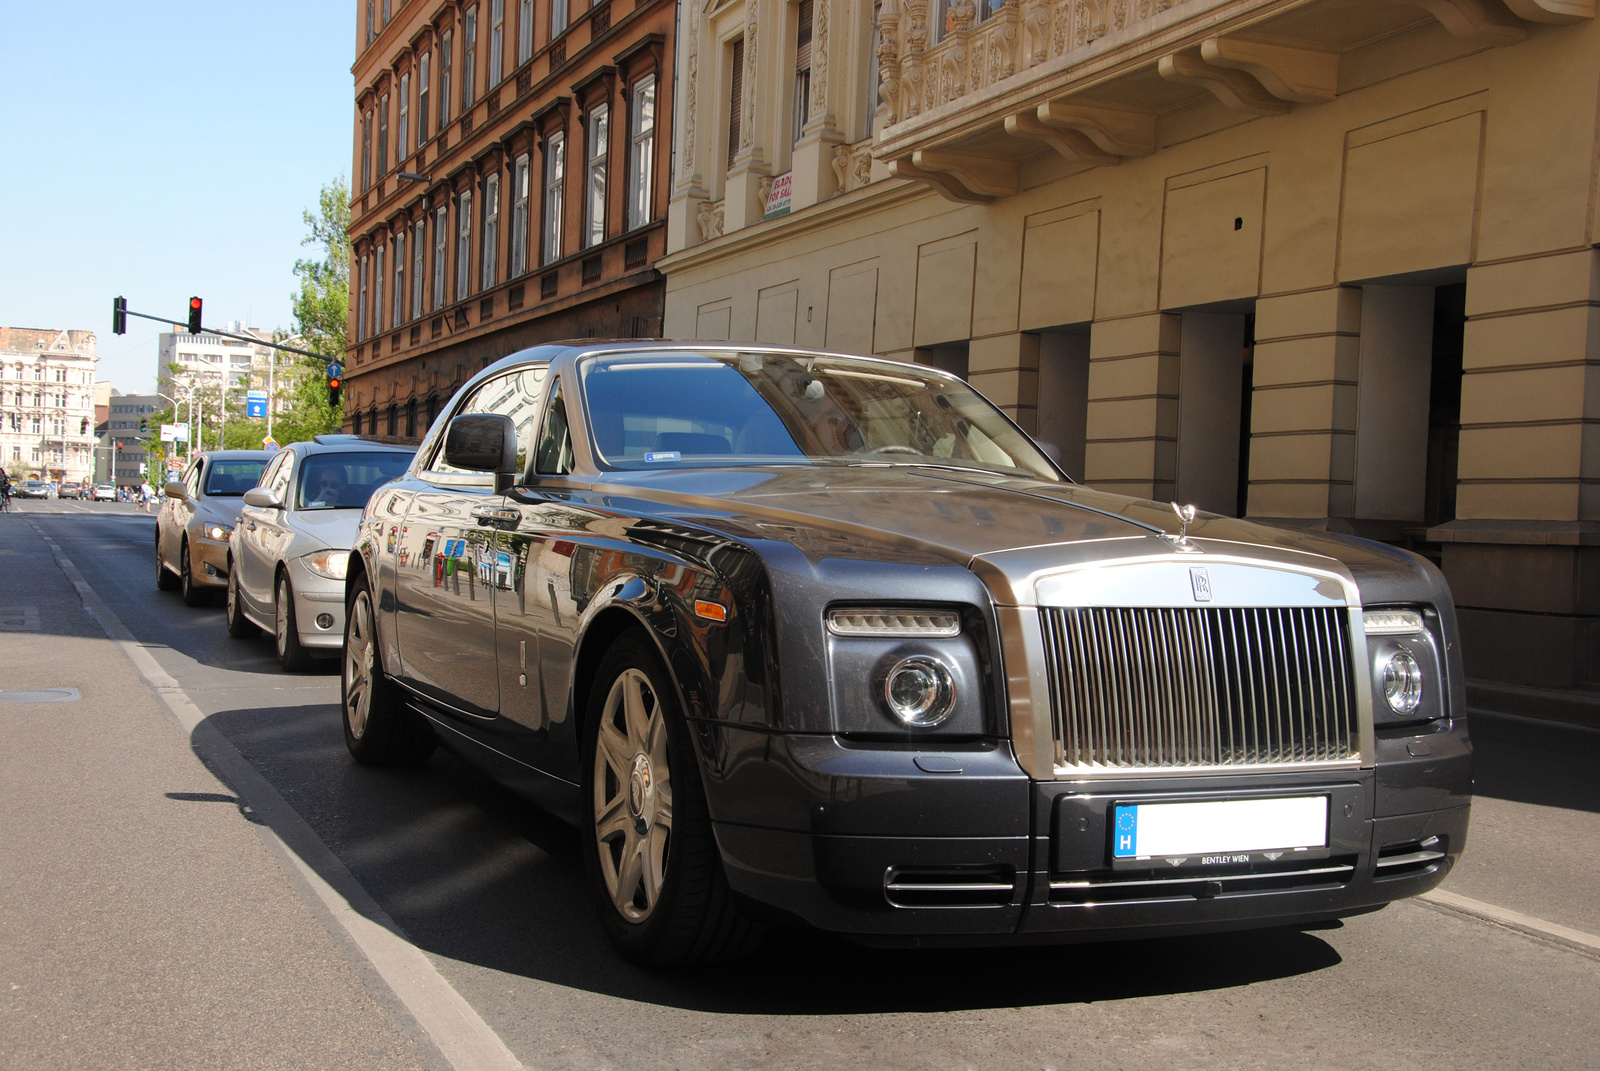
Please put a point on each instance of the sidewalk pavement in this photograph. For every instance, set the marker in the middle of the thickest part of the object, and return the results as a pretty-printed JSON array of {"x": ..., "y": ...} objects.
[{"x": 145, "y": 919}]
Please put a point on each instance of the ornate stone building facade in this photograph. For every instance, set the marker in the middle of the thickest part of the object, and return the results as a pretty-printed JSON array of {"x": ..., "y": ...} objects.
[
  {"x": 47, "y": 403},
  {"x": 1327, "y": 263},
  {"x": 510, "y": 178}
]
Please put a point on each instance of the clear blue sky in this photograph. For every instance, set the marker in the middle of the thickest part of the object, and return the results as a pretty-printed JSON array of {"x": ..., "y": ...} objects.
[{"x": 161, "y": 150}]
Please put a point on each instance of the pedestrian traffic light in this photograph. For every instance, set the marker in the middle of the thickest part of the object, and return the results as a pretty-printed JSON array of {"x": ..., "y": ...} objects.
[
  {"x": 333, "y": 392},
  {"x": 119, "y": 316},
  {"x": 194, "y": 316}
]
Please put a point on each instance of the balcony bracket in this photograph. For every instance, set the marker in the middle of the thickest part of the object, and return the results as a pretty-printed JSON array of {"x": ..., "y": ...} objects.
[
  {"x": 1073, "y": 145},
  {"x": 1487, "y": 21},
  {"x": 1118, "y": 131},
  {"x": 957, "y": 177},
  {"x": 1296, "y": 74},
  {"x": 1236, "y": 89}
]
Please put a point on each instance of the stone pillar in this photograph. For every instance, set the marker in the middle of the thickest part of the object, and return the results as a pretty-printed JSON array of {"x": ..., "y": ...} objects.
[
  {"x": 1132, "y": 431},
  {"x": 1303, "y": 405},
  {"x": 1005, "y": 369},
  {"x": 1523, "y": 554}
]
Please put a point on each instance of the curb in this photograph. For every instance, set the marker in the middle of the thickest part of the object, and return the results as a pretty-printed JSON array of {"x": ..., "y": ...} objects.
[{"x": 1547, "y": 704}]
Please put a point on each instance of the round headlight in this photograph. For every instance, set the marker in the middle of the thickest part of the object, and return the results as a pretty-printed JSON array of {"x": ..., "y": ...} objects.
[
  {"x": 920, "y": 692},
  {"x": 1402, "y": 682}
]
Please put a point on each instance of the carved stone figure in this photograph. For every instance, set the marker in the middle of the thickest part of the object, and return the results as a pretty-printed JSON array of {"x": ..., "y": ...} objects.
[{"x": 710, "y": 220}]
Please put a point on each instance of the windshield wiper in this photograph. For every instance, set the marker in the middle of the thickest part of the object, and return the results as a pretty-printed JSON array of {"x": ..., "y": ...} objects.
[{"x": 927, "y": 465}]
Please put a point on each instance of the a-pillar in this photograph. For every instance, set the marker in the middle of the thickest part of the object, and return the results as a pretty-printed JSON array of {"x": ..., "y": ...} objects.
[
  {"x": 1005, "y": 369},
  {"x": 1303, "y": 406},
  {"x": 1523, "y": 554},
  {"x": 1132, "y": 428}
]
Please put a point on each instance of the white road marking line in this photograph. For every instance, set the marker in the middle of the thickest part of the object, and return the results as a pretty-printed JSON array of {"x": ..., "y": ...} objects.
[
  {"x": 462, "y": 1037},
  {"x": 1516, "y": 920}
]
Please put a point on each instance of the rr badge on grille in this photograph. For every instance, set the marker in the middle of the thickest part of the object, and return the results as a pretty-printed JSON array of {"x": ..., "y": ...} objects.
[{"x": 1200, "y": 581}]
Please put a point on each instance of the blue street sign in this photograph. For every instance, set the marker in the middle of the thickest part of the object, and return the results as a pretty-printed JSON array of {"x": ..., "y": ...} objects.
[
  {"x": 335, "y": 369},
  {"x": 255, "y": 404},
  {"x": 269, "y": 444}
]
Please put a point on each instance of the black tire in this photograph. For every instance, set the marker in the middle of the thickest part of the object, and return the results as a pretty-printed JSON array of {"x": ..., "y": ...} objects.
[
  {"x": 193, "y": 594},
  {"x": 165, "y": 581},
  {"x": 292, "y": 655},
  {"x": 693, "y": 918},
  {"x": 379, "y": 729},
  {"x": 240, "y": 627}
]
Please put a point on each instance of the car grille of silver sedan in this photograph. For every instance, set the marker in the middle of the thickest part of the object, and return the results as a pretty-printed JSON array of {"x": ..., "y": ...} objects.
[{"x": 1201, "y": 687}]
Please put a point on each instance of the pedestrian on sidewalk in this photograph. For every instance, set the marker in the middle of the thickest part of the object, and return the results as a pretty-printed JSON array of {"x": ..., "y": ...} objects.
[{"x": 147, "y": 497}]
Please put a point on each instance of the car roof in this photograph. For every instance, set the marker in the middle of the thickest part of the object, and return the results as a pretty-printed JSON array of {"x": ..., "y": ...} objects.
[
  {"x": 348, "y": 444},
  {"x": 236, "y": 455}
]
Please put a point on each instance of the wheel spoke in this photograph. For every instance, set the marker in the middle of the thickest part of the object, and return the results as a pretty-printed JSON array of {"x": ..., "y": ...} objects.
[
  {"x": 663, "y": 814},
  {"x": 614, "y": 818},
  {"x": 616, "y": 751},
  {"x": 637, "y": 717},
  {"x": 655, "y": 864},
  {"x": 629, "y": 875},
  {"x": 656, "y": 739}
]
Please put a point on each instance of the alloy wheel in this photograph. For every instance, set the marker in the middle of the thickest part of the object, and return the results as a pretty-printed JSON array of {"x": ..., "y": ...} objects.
[
  {"x": 633, "y": 796},
  {"x": 280, "y": 622},
  {"x": 358, "y": 666}
]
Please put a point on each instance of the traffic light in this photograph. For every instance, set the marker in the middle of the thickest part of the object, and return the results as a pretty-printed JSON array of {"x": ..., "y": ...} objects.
[
  {"x": 144, "y": 424},
  {"x": 119, "y": 316},
  {"x": 194, "y": 316},
  {"x": 333, "y": 392}
]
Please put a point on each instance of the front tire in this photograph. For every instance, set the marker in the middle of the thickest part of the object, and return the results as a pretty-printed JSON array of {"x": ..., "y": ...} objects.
[
  {"x": 240, "y": 627},
  {"x": 292, "y": 655},
  {"x": 653, "y": 865},
  {"x": 193, "y": 594},
  {"x": 379, "y": 729},
  {"x": 165, "y": 581}
]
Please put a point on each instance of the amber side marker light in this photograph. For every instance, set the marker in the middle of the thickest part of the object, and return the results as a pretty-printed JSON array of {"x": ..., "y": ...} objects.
[{"x": 710, "y": 610}]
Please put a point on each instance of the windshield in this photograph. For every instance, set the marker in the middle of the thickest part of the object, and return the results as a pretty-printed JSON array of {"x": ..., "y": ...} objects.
[
  {"x": 233, "y": 477},
  {"x": 673, "y": 409},
  {"x": 346, "y": 481}
]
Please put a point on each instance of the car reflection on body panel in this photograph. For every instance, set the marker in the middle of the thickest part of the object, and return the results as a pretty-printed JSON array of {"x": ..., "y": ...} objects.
[
  {"x": 831, "y": 639},
  {"x": 197, "y": 517},
  {"x": 287, "y": 555}
]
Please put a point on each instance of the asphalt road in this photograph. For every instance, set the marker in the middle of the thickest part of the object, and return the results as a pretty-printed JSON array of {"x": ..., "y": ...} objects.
[{"x": 154, "y": 915}]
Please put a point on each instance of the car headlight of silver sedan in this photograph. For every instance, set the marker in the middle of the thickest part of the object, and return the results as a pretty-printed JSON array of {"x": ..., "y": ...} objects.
[
  {"x": 217, "y": 531},
  {"x": 329, "y": 563}
]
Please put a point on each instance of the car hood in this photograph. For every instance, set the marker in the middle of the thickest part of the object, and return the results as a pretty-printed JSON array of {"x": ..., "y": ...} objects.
[
  {"x": 335, "y": 529},
  {"x": 1015, "y": 525},
  {"x": 224, "y": 511}
]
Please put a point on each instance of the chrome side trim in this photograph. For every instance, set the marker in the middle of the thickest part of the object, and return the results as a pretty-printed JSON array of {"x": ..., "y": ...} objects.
[{"x": 1193, "y": 879}]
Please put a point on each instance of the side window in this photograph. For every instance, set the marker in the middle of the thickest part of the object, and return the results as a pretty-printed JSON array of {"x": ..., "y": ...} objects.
[
  {"x": 517, "y": 395},
  {"x": 280, "y": 478},
  {"x": 191, "y": 479},
  {"x": 555, "y": 442}
]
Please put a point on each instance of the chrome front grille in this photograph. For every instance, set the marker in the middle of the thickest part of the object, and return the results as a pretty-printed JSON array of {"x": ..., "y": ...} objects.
[{"x": 1200, "y": 687}]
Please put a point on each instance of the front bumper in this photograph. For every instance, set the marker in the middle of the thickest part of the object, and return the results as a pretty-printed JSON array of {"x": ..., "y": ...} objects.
[
  {"x": 208, "y": 561},
  {"x": 318, "y": 607},
  {"x": 868, "y": 842}
]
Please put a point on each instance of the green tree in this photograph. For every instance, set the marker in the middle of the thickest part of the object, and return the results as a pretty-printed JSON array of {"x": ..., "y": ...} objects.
[{"x": 321, "y": 312}]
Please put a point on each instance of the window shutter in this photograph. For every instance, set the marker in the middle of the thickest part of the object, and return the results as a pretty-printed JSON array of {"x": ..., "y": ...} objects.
[{"x": 802, "y": 51}]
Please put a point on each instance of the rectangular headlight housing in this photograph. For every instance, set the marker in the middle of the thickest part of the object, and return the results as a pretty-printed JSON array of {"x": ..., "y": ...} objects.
[
  {"x": 1392, "y": 622},
  {"x": 888, "y": 621}
]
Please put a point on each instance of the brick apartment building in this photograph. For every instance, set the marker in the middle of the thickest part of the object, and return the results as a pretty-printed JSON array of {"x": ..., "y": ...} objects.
[{"x": 510, "y": 188}]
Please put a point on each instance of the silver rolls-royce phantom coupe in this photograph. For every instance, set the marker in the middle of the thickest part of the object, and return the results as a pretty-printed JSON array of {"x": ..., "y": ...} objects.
[{"x": 805, "y": 637}]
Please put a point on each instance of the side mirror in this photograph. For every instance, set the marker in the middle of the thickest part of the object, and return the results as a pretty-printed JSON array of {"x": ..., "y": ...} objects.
[
  {"x": 263, "y": 498},
  {"x": 483, "y": 442},
  {"x": 175, "y": 489}
]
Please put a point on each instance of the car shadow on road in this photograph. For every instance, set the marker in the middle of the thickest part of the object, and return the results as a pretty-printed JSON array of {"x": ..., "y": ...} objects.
[
  {"x": 474, "y": 873},
  {"x": 1532, "y": 761}
]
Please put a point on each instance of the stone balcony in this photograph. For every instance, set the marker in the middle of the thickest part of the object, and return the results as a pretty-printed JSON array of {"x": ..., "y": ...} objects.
[{"x": 1090, "y": 79}]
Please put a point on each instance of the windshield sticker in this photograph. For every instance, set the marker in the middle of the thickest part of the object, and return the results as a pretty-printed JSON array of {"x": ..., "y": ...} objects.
[{"x": 664, "y": 455}]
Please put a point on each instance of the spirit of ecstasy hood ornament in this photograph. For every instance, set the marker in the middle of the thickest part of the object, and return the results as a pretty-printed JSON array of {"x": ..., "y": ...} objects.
[{"x": 1185, "y": 518}]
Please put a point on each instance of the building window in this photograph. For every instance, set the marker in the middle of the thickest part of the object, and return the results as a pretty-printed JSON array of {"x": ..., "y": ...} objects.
[
  {"x": 383, "y": 135},
  {"x": 366, "y": 150},
  {"x": 558, "y": 16},
  {"x": 599, "y": 134},
  {"x": 469, "y": 59},
  {"x": 641, "y": 150},
  {"x": 399, "y": 316},
  {"x": 735, "y": 100},
  {"x": 497, "y": 41},
  {"x": 464, "y": 245},
  {"x": 446, "y": 52},
  {"x": 491, "y": 232},
  {"x": 802, "y": 70},
  {"x": 423, "y": 71},
  {"x": 555, "y": 166},
  {"x": 372, "y": 26},
  {"x": 387, "y": 5},
  {"x": 519, "y": 216},
  {"x": 524, "y": 32},
  {"x": 418, "y": 244},
  {"x": 361, "y": 303},
  {"x": 377, "y": 288},
  {"x": 403, "y": 134},
  {"x": 441, "y": 246}
]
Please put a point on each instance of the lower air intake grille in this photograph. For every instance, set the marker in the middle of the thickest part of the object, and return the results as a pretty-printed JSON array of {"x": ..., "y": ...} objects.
[
  {"x": 1202, "y": 687},
  {"x": 985, "y": 887}
]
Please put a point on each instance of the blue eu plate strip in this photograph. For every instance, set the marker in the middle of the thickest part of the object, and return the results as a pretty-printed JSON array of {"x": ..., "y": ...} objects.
[{"x": 1126, "y": 844}]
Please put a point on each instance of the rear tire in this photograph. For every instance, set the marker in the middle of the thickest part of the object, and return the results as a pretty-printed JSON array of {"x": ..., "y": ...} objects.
[
  {"x": 193, "y": 594},
  {"x": 240, "y": 627},
  {"x": 292, "y": 655},
  {"x": 653, "y": 864},
  {"x": 379, "y": 729},
  {"x": 165, "y": 581}
]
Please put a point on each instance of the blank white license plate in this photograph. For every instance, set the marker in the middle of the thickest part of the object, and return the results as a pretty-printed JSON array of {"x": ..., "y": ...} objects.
[{"x": 1220, "y": 832}]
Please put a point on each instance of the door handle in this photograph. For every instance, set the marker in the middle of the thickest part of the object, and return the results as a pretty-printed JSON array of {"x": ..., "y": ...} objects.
[{"x": 497, "y": 517}]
